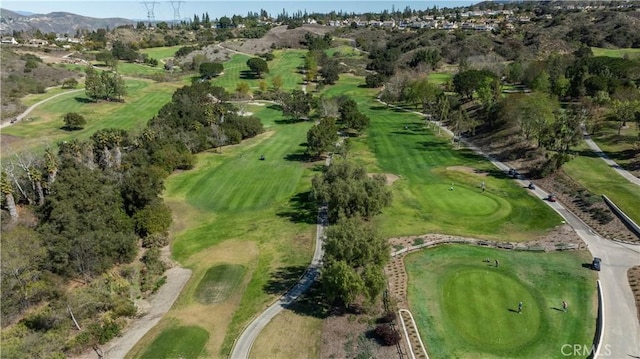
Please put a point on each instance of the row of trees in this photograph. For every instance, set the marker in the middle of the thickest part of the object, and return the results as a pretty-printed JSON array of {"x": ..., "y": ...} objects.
[{"x": 355, "y": 254}]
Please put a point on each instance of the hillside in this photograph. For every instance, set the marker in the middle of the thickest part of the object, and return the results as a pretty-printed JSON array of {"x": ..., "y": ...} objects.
[{"x": 57, "y": 22}]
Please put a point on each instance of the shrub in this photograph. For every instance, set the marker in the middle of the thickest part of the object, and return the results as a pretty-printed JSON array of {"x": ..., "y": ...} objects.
[
  {"x": 388, "y": 317},
  {"x": 388, "y": 335}
]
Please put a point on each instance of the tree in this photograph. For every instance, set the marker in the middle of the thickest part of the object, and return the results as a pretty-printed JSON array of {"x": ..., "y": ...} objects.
[
  {"x": 467, "y": 82},
  {"x": 258, "y": 66},
  {"x": 533, "y": 113},
  {"x": 7, "y": 191},
  {"x": 22, "y": 280},
  {"x": 243, "y": 89},
  {"x": 355, "y": 255},
  {"x": 311, "y": 66},
  {"x": 297, "y": 104},
  {"x": 106, "y": 57},
  {"x": 83, "y": 223},
  {"x": 210, "y": 69},
  {"x": 105, "y": 85},
  {"x": 348, "y": 191},
  {"x": 70, "y": 83},
  {"x": 330, "y": 72},
  {"x": 322, "y": 137},
  {"x": 341, "y": 282},
  {"x": 625, "y": 111},
  {"x": 327, "y": 107},
  {"x": 74, "y": 121},
  {"x": 422, "y": 93},
  {"x": 276, "y": 82},
  {"x": 564, "y": 131},
  {"x": 155, "y": 218}
]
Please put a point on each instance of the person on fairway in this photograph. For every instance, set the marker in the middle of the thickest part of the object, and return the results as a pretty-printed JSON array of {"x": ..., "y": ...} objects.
[
  {"x": 564, "y": 306},
  {"x": 520, "y": 307},
  {"x": 497, "y": 263}
]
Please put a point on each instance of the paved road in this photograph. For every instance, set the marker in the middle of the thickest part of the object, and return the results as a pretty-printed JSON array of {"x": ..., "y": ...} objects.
[
  {"x": 27, "y": 111},
  {"x": 595, "y": 148},
  {"x": 242, "y": 348}
]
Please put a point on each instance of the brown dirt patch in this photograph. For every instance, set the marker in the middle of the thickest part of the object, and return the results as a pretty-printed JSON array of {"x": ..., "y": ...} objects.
[
  {"x": 390, "y": 177},
  {"x": 633, "y": 274},
  {"x": 348, "y": 335},
  {"x": 278, "y": 37},
  {"x": 466, "y": 169}
]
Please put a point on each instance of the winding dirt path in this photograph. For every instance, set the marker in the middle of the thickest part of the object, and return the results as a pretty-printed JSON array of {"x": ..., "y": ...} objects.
[{"x": 160, "y": 303}]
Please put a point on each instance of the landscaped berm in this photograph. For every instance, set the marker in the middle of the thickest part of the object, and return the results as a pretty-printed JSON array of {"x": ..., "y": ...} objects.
[{"x": 466, "y": 306}]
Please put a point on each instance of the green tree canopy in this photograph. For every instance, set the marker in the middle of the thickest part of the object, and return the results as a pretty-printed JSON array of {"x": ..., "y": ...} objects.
[
  {"x": 74, "y": 121},
  {"x": 258, "y": 66},
  {"x": 210, "y": 69},
  {"x": 322, "y": 137},
  {"x": 349, "y": 191}
]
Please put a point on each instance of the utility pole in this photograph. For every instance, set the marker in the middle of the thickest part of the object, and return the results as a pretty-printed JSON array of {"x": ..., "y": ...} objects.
[
  {"x": 175, "y": 4},
  {"x": 150, "y": 5}
]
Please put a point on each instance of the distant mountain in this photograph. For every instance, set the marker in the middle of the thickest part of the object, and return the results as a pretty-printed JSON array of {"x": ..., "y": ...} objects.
[
  {"x": 25, "y": 13},
  {"x": 58, "y": 22}
]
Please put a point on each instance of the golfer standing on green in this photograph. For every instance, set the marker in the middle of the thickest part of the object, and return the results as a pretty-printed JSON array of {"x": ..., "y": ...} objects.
[{"x": 520, "y": 307}]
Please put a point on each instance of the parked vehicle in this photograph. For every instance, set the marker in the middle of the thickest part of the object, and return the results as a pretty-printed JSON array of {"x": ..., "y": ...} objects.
[{"x": 595, "y": 265}]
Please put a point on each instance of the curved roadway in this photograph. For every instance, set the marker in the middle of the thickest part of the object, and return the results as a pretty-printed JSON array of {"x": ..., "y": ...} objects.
[
  {"x": 28, "y": 110},
  {"x": 243, "y": 345},
  {"x": 596, "y": 149}
]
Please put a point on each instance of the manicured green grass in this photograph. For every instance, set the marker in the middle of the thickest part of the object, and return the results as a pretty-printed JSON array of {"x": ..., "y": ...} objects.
[
  {"x": 142, "y": 102},
  {"x": 440, "y": 77},
  {"x": 160, "y": 53},
  {"x": 218, "y": 283},
  {"x": 621, "y": 148},
  {"x": 285, "y": 64},
  {"x": 631, "y": 52},
  {"x": 428, "y": 164},
  {"x": 467, "y": 307},
  {"x": 178, "y": 342},
  {"x": 138, "y": 70},
  {"x": 596, "y": 175},
  {"x": 235, "y": 196}
]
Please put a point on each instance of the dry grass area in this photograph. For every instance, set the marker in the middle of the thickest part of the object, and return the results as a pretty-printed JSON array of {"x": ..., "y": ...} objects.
[
  {"x": 467, "y": 169},
  {"x": 634, "y": 281},
  {"x": 289, "y": 335},
  {"x": 350, "y": 335},
  {"x": 278, "y": 37},
  {"x": 214, "y": 318}
]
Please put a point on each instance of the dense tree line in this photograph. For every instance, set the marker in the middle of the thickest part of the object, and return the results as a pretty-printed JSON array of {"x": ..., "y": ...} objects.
[
  {"x": 96, "y": 201},
  {"x": 354, "y": 252}
]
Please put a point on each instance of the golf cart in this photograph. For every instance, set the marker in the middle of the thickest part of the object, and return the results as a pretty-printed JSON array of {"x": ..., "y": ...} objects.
[
  {"x": 595, "y": 265},
  {"x": 552, "y": 197}
]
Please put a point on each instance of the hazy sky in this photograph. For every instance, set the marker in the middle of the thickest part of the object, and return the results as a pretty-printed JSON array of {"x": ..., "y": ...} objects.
[{"x": 164, "y": 9}]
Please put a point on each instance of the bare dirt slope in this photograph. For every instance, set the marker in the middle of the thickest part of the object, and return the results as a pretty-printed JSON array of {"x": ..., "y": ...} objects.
[{"x": 278, "y": 37}]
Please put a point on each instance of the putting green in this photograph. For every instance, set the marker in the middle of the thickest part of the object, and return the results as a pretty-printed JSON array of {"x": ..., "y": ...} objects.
[
  {"x": 466, "y": 307},
  {"x": 218, "y": 283},
  {"x": 463, "y": 201},
  {"x": 482, "y": 306}
]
